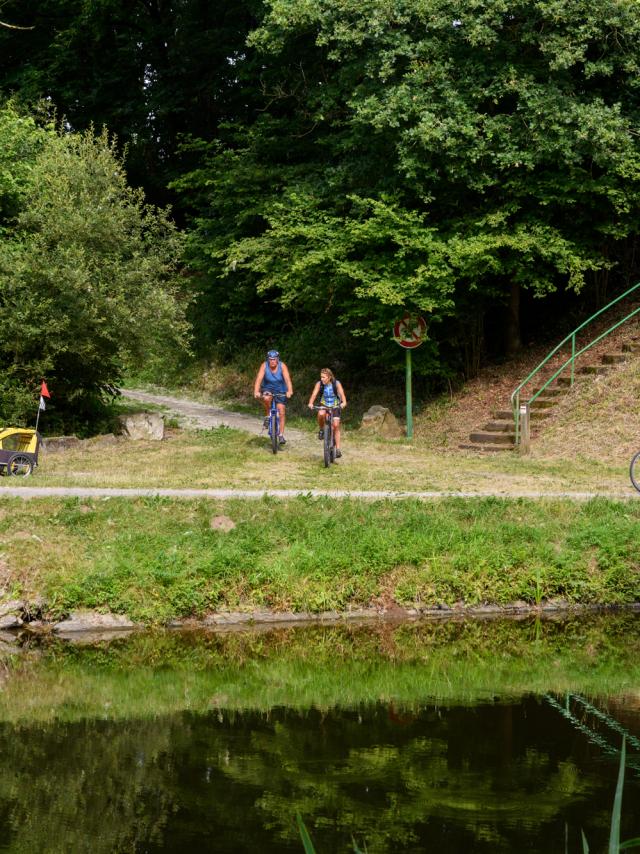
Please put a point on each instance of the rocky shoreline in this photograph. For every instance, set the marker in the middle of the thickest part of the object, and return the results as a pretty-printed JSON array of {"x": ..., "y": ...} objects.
[{"x": 19, "y": 617}]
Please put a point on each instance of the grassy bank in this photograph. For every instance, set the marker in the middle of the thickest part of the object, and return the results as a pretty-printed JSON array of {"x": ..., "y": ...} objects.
[{"x": 157, "y": 559}]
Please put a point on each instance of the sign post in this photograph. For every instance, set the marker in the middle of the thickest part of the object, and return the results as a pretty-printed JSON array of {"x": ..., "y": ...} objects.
[{"x": 409, "y": 333}]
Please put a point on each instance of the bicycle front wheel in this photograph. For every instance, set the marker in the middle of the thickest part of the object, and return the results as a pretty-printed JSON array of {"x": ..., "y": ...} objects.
[
  {"x": 327, "y": 446},
  {"x": 634, "y": 471},
  {"x": 273, "y": 429}
]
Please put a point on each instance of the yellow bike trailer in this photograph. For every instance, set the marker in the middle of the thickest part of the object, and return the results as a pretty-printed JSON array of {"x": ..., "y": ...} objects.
[{"x": 19, "y": 447}]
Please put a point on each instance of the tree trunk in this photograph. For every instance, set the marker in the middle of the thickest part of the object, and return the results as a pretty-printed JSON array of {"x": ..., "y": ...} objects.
[{"x": 513, "y": 342}]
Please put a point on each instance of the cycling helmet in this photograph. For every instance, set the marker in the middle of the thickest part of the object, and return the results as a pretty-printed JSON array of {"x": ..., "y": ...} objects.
[{"x": 273, "y": 354}]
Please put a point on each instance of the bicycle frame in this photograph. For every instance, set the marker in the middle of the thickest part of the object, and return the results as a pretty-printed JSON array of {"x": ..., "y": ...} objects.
[
  {"x": 274, "y": 419},
  {"x": 329, "y": 444}
]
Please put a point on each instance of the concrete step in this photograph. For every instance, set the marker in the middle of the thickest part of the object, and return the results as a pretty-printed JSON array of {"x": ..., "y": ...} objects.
[
  {"x": 486, "y": 437},
  {"x": 503, "y": 415},
  {"x": 502, "y": 426},
  {"x": 593, "y": 369},
  {"x": 630, "y": 348},
  {"x": 543, "y": 403},
  {"x": 552, "y": 391},
  {"x": 564, "y": 382},
  {"x": 487, "y": 448},
  {"x": 614, "y": 358}
]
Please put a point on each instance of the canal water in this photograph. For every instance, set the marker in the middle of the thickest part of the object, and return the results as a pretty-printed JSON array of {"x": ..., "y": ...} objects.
[{"x": 439, "y": 737}]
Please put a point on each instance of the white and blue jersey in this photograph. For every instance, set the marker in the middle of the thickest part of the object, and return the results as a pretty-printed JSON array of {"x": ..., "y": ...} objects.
[{"x": 328, "y": 394}]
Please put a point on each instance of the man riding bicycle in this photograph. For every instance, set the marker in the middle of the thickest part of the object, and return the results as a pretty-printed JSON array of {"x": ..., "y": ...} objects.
[{"x": 273, "y": 378}]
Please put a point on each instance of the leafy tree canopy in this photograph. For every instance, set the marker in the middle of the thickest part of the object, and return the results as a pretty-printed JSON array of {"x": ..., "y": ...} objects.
[
  {"x": 88, "y": 279},
  {"x": 427, "y": 154}
]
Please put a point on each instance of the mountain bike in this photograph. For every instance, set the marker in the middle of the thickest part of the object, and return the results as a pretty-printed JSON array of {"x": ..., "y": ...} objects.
[
  {"x": 273, "y": 422},
  {"x": 328, "y": 437},
  {"x": 634, "y": 471}
]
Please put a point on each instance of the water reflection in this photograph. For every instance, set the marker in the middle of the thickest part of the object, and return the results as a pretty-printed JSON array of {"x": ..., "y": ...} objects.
[{"x": 409, "y": 738}]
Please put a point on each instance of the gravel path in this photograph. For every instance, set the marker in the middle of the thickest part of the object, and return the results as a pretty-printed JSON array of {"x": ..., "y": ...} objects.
[{"x": 203, "y": 416}]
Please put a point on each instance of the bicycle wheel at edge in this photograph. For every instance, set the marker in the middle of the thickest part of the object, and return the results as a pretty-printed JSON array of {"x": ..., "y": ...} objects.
[
  {"x": 326, "y": 445},
  {"x": 273, "y": 429},
  {"x": 634, "y": 471}
]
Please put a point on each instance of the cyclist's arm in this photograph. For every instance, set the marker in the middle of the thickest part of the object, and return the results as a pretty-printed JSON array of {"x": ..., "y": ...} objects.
[
  {"x": 341, "y": 394},
  {"x": 314, "y": 394},
  {"x": 258, "y": 382},
  {"x": 287, "y": 379}
]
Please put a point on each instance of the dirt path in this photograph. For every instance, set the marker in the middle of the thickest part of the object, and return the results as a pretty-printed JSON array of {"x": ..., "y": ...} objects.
[{"x": 203, "y": 416}]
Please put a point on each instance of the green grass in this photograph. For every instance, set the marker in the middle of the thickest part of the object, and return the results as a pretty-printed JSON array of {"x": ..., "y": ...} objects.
[
  {"x": 158, "y": 559},
  {"x": 226, "y": 458}
]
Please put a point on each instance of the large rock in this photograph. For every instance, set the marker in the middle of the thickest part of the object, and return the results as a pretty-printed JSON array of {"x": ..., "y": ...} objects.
[
  {"x": 60, "y": 443},
  {"x": 380, "y": 421},
  {"x": 142, "y": 425},
  {"x": 90, "y": 621}
]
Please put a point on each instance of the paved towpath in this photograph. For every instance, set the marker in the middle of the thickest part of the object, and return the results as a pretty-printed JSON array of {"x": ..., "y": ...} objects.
[{"x": 257, "y": 494}]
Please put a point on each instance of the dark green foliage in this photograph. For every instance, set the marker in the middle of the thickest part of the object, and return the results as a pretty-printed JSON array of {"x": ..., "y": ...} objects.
[
  {"x": 411, "y": 154},
  {"x": 87, "y": 272}
]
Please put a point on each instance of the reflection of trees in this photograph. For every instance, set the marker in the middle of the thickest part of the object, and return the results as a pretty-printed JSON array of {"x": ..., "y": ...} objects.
[
  {"x": 489, "y": 778},
  {"x": 362, "y": 777},
  {"x": 87, "y": 787},
  {"x": 103, "y": 758}
]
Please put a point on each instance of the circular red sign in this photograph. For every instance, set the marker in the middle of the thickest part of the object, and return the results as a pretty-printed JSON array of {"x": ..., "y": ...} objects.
[{"x": 410, "y": 330}]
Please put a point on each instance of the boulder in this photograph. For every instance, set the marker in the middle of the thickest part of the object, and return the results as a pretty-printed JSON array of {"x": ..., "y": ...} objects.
[
  {"x": 142, "y": 425},
  {"x": 60, "y": 443},
  {"x": 87, "y": 621},
  {"x": 380, "y": 421}
]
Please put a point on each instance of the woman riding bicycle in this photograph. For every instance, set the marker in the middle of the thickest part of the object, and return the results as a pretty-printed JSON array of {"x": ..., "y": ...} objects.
[
  {"x": 273, "y": 378},
  {"x": 331, "y": 395}
]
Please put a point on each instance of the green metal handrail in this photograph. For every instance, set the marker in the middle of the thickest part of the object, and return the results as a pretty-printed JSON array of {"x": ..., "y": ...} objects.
[{"x": 515, "y": 397}]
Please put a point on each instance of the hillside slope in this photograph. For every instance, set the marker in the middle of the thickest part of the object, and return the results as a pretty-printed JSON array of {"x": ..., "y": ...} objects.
[{"x": 598, "y": 418}]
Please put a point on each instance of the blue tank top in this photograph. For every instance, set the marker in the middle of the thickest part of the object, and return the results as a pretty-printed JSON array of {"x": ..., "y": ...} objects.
[
  {"x": 327, "y": 394},
  {"x": 273, "y": 381}
]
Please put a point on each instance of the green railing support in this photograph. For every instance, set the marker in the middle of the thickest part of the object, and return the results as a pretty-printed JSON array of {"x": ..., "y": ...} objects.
[{"x": 516, "y": 394}]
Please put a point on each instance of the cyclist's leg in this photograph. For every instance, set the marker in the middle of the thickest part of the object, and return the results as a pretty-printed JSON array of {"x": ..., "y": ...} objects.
[
  {"x": 322, "y": 414},
  {"x": 336, "y": 430},
  {"x": 282, "y": 412},
  {"x": 266, "y": 403}
]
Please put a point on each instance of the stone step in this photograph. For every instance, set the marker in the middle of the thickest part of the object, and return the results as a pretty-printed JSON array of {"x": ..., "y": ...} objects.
[
  {"x": 487, "y": 448},
  {"x": 564, "y": 382},
  {"x": 486, "y": 437},
  {"x": 614, "y": 358},
  {"x": 543, "y": 403},
  {"x": 630, "y": 348},
  {"x": 502, "y": 426},
  {"x": 503, "y": 415},
  {"x": 552, "y": 392},
  {"x": 593, "y": 369}
]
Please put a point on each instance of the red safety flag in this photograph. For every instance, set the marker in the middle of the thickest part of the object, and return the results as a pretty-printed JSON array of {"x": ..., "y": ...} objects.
[{"x": 44, "y": 392}]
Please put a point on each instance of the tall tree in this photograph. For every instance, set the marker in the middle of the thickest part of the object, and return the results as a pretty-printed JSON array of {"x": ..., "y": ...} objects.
[
  {"x": 88, "y": 271},
  {"x": 430, "y": 155},
  {"x": 149, "y": 70}
]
